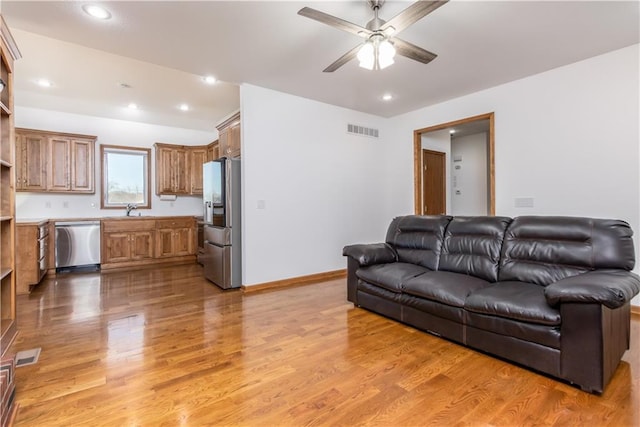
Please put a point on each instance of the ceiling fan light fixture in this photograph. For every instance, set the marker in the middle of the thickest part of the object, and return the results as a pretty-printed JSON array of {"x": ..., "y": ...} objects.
[
  {"x": 367, "y": 55},
  {"x": 380, "y": 34},
  {"x": 376, "y": 53},
  {"x": 386, "y": 52}
]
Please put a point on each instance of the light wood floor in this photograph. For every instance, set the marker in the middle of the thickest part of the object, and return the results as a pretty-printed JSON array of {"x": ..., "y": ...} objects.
[{"x": 165, "y": 347}]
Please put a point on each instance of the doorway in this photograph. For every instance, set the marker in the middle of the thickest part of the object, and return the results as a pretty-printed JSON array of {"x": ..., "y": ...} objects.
[
  {"x": 420, "y": 179},
  {"x": 433, "y": 177}
]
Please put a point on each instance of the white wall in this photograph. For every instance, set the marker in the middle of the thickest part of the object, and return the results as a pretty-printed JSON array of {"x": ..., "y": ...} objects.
[
  {"x": 108, "y": 131},
  {"x": 568, "y": 138},
  {"x": 469, "y": 181},
  {"x": 440, "y": 140},
  {"x": 321, "y": 188}
]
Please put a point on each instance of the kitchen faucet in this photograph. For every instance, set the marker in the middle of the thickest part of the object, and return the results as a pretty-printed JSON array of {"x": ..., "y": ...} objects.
[{"x": 130, "y": 207}]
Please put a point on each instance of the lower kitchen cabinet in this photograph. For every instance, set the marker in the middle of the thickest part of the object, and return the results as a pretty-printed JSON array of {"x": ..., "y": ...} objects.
[
  {"x": 32, "y": 258},
  {"x": 175, "y": 237},
  {"x": 144, "y": 241},
  {"x": 128, "y": 246}
]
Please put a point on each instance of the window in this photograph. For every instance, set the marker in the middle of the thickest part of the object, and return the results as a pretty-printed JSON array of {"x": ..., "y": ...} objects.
[{"x": 125, "y": 177}]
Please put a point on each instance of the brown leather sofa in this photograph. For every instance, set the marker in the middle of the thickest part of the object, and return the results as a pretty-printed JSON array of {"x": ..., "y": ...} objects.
[{"x": 550, "y": 293}]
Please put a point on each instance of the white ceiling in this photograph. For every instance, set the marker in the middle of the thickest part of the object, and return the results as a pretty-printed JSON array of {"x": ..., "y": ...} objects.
[{"x": 163, "y": 48}]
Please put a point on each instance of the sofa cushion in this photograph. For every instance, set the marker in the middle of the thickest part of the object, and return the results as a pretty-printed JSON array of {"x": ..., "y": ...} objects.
[
  {"x": 514, "y": 300},
  {"x": 390, "y": 276},
  {"x": 543, "y": 250},
  {"x": 417, "y": 239},
  {"x": 472, "y": 246},
  {"x": 445, "y": 287}
]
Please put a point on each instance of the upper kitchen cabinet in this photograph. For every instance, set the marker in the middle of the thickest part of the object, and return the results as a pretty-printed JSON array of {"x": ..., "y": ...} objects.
[
  {"x": 229, "y": 136},
  {"x": 213, "y": 151},
  {"x": 197, "y": 158},
  {"x": 31, "y": 153},
  {"x": 55, "y": 162},
  {"x": 179, "y": 168},
  {"x": 172, "y": 175}
]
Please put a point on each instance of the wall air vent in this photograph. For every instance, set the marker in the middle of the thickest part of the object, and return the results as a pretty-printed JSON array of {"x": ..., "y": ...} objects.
[{"x": 362, "y": 131}]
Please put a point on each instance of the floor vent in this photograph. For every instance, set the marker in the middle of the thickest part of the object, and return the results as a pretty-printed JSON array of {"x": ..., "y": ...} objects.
[
  {"x": 27, "y": 357},
  {"x": 362, "y": 131}
]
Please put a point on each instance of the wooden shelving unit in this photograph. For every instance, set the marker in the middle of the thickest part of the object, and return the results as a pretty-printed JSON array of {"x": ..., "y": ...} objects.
[{"x": 8, "y": 326}]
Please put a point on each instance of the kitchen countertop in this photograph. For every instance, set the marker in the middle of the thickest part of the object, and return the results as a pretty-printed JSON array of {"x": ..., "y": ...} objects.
[
  {"x": 32, "y": 221},
  {"x": 39, "y": 221}
]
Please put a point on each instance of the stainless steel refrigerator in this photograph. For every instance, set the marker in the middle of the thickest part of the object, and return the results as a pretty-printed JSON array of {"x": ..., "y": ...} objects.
[{"x": 222, "y": 258}]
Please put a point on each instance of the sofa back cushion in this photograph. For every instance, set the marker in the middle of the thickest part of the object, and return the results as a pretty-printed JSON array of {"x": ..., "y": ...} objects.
[
  {"x": 545, "y": 249},
  {"x": 417, "y": 239},
  {"x": 472, "y": 246}
]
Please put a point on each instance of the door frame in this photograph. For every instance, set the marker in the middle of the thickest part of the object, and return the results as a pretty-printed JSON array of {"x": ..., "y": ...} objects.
[
  {"x": 444, "y": 175},
  {"x": 417, "y": 159}
]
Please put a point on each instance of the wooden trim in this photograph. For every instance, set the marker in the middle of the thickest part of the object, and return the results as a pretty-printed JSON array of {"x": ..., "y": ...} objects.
[
  {"x": 492, "y": 165},
  {"x": 150, "y": 262},
  {"x": 103, "y": 163},
  {"x": 9, "y": 41},
  {"x": 635, "y": 309},
  {"x": 417, "y": 172},
  {"x": 417, "y": 159},
  {"x": 58, "y": 134},
  {"x": 296, "y": 281},
  {"x": 231, "y": 120}
]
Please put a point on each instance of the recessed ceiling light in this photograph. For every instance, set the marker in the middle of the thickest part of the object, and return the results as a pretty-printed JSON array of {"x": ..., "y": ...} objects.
[
  {"x": 387, "y": 97},
  {"x": 452, "y": 131},
  {"x": 132, "y": 106},
  {"x": 44, "y": 83},
  {"x": 184, "y": 107},
  {"x": 209, "y": 80},
  {"x": 95, "y": 11}
]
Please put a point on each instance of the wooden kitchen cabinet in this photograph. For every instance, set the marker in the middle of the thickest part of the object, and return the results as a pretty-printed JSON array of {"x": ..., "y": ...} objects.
[
  {"x": 213, "y": 151},
  {"x": 135, "y": 242},
  {"x": 179, "y": 168},
  {"x": 175, "y": 237},
  {"x": 128, "y": 246},
  {"x": 197, "y": 158},
  {"x": 229, "y": 136},
  {"x": 31, "y": 153},
  {"x": 59, "y": 165},
  {"x": 32, "y": 260},
  {"x": 172, "y": 169},
  {"x": 127, "y": 240},
  {"x": 55, "y": 162},
  {"x": 82, "y": 166}
]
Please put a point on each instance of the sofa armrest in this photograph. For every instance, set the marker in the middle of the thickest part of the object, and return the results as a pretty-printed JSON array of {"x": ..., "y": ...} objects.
[
  {"x": 370, "y": 254},
  {"x": 612, "y": 288}
]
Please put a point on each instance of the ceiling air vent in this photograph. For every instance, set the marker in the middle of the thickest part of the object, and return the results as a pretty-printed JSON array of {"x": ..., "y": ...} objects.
[{"x": 361, "y": 130}]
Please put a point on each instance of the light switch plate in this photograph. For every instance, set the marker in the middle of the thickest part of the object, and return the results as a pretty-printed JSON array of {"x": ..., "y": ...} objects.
[{"x": 523, "y": 202}]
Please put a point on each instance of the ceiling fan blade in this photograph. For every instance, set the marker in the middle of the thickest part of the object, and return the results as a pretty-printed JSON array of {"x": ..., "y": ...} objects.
[
  {"x": 410, "y": 16},
  {"x": 331, "y": 20},
  {"x": 342, "y": 60},
  {"x": 412, "y": 51}
]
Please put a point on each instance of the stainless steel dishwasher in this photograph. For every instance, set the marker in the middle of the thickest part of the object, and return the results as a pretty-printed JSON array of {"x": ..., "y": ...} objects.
[{"x": 77, "y": 245}]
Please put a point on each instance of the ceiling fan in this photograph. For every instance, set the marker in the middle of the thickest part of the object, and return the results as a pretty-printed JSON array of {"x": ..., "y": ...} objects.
[{"x": 381, "y": 43}]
